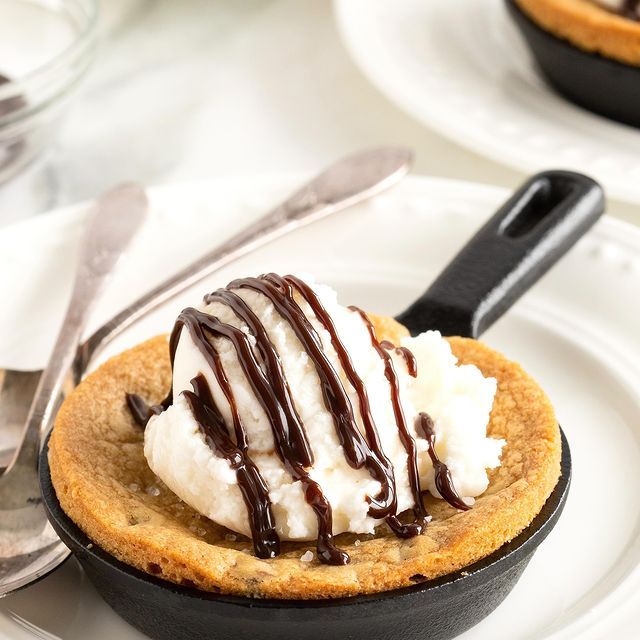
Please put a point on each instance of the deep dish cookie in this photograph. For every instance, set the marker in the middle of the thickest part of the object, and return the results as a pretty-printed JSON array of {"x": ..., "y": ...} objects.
[
  {"x": 104, "y": 484},
  {"x": 588, "y": 51},
  {"x": 597, "y": 27}
]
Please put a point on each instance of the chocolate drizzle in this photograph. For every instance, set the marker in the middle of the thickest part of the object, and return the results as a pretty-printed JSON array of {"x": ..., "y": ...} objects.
[
  {"x": 290, "y": 437},
  {"x": 631, "y": 9},
  {"x": 444, "y": 483},
  {"x": 263, "y": 369},
  {"x": 254, "y": 489},
  {"x": 141, "y": 410},
  {"x": 376, "y": 462},
  {"x": 406, "y": 354},
  {"x": 358, "y": 454},
  {"x": 421, "y": 517}
]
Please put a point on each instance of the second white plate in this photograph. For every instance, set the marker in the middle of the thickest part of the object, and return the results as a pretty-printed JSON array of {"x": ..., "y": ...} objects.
[{"x": 461, "y": 68}]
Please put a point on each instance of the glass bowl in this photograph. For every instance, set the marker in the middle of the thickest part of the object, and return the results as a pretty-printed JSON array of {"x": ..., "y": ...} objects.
[{"x": 46, "y": 47}]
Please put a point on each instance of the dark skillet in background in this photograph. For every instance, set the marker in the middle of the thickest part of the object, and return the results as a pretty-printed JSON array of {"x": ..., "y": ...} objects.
[
  {"x": 534, "y": 228},
  {"x": 597, "y": 83}
]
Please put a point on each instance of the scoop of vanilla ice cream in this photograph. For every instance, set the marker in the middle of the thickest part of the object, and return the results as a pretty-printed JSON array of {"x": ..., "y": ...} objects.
[{"x": 458, "y": 398}]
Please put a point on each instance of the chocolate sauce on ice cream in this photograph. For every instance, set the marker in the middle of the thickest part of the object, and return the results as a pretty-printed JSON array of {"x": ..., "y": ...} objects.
[
  {"x": 263, "y": 369},
  {"x": 631, "y": 9}
]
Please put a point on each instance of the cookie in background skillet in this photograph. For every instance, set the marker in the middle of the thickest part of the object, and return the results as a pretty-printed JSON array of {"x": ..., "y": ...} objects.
[
  {"x": 318, "y": 469},
  {"x": 588, "y": 50}
]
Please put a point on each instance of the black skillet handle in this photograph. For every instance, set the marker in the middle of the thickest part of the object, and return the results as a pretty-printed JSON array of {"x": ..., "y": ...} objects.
[{"x": 529, "y": 233}]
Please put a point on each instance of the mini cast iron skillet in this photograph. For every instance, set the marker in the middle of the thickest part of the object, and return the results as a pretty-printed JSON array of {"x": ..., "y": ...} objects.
[
  {"x": 592, "y": 81},
  {"x": 534, "y": 228}
]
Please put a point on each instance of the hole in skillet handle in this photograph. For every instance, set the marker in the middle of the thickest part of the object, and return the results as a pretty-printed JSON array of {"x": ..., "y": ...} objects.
[{"x": 532, "y": 230}]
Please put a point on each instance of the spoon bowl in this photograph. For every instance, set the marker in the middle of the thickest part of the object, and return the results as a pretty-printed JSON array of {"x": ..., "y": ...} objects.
[{"x": 29, "y": 547}]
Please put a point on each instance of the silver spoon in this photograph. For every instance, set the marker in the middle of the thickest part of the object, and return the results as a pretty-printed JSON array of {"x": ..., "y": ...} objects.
[
  {"x": 29, "y": 547},
  {"x": 345, "y": 183}
]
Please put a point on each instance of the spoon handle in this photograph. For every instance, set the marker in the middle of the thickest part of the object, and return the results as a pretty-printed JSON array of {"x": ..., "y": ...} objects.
[
  {"x": 520, "y": 243},
  {"x": 346, "y": 182},
  {"x": 110, "y": 227}
]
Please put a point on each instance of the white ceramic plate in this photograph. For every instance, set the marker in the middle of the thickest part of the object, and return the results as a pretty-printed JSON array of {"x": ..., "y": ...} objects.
[
  {"x": 460, "y": 67},
  {"x": 576, "y": 332}
]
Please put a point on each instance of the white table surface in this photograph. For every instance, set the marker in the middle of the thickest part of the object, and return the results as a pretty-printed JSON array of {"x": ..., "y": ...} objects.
[{"x": 184, "y": 90}]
